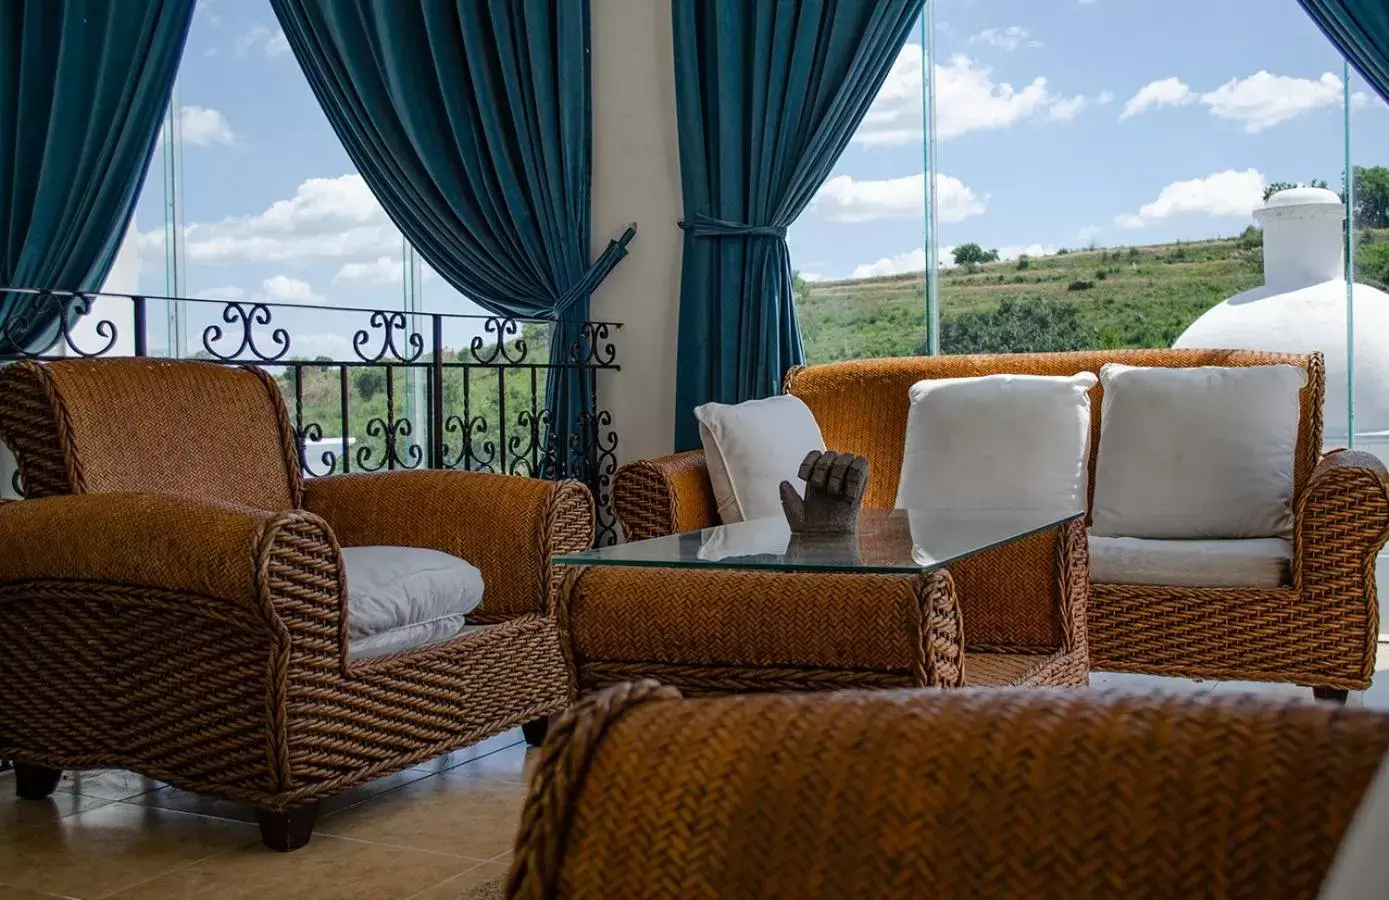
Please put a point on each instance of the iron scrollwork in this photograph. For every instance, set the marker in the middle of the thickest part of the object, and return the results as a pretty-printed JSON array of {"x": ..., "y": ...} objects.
[
  {"x": 246, "y": 317},
  {"x": 388, "y": 324}
]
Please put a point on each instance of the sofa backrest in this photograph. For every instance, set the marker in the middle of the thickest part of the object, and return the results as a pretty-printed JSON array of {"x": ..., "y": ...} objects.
[
  {"x": 861, "y": 405},
  {"x": 150, "y": 425}
]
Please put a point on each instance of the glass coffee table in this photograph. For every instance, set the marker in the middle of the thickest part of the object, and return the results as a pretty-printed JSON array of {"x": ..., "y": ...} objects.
[{"x": 752, "y": 607}]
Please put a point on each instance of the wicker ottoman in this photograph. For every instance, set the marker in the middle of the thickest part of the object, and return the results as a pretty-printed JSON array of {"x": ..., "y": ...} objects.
[{"x": 722, "y": 631}]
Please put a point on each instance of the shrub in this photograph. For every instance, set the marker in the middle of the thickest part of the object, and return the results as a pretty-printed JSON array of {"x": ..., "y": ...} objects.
[
  {"x": 1023, "y": 262},
  {"x": 1101, "y": 275},
  {"x": 1079, "y": 285},
  {"x": 1032, "y": 325}
]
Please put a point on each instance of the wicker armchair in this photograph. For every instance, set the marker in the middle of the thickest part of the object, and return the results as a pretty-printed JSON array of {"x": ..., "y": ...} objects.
[
  {"x": 1320, "y": 630},
  {"x": 951, "y": 794},
  {"x": 172, "y": 597}
]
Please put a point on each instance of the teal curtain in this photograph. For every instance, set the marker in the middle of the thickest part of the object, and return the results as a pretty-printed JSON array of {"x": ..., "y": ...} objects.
[
  {"x": 767, "y": 95},
  {"x": 83, "y": 88},
  {"x": 1360, "y": 30},
  {"x": 470, "y": 121}
]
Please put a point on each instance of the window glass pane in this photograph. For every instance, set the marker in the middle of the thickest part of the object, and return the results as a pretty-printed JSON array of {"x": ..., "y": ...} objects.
[
  {"x": 1368, "y": 334},
  {"x": 859, "y": 249},
  {"x": 1099, "y": 165}
]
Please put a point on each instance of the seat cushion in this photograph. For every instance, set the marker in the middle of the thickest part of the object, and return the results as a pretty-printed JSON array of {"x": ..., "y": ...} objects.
[
  {"x": 1242, "y": 562},
  {"x": 996, "y": 443},
  {"x": 751, "y": 448},
  {"x": 1203, "y": 452},
  {"x": 402, "y": 597}
]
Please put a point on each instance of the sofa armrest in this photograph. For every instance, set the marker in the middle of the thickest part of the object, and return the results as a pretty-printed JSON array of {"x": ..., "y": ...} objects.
[
  {"x": 506, "y": 525},
  {"x": 668, "y": 495},
  {"x": 1342, "y": 521},
  {"x": 164, "y": 543},
  {"x": 905, "y": 794}
]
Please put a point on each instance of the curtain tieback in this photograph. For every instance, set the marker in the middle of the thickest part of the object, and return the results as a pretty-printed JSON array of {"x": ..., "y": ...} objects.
[
  {"x": 707, "y": 226},
  {"x": 604, "y": 264}
]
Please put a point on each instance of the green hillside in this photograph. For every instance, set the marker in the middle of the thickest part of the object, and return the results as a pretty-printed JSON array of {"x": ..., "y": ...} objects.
[{"x": 1127, "y": 297}]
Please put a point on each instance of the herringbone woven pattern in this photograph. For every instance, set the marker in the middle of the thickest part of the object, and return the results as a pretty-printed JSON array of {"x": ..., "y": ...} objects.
[
  {"x": 203, "y": 642},
  {"x": 738, "y": 631},
  {"x": 1320, "y": 630},
  {"x": 907, "y": 794}
]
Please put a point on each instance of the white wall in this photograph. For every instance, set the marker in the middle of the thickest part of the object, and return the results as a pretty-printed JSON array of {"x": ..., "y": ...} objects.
[{"x": 636, "y": 178}]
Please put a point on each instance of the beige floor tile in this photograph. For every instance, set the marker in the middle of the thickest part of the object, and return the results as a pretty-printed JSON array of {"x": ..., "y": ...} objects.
[
  {"x": 107, "y": 784},
  {"x": 468, "y": 817},
  {"x": 329, "y": 868},
  {"x": 513, "y": 764},
  {"x": 1128, "y": 681},
  {"x": 17, "y": 893},
  {"x": 185, "y": 801},
  {"x": 459, "y": 884},
  {"x": 94, "y": 853},
  {"x": 1265, "y": 689},
  {"x": 476, "y": 751},
  {"x": 17, "y": 813}
]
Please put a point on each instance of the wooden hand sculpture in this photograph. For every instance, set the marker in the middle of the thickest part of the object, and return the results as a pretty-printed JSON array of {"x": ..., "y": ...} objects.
[{"x": 834, "y": 486}]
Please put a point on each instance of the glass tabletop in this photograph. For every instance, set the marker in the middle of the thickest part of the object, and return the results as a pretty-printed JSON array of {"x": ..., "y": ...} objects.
[{"x": 888, "y": 541}]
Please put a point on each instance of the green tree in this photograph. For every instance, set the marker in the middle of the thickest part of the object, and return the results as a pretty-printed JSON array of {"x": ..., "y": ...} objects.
[
  {"x": 1372, "y": 263},
  {"x": 971, "y": 254},
  {"x": 369, "y": 382},
  {"x": 1018, "y": 326},
  {"x": 1371, "y": 197}
]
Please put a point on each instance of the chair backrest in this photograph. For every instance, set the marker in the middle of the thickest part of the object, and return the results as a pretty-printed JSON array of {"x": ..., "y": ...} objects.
[
  {"x": 150, "y": 425},
  {"x": 861, "y": 405},
  {"x": 955, "y": 793}
]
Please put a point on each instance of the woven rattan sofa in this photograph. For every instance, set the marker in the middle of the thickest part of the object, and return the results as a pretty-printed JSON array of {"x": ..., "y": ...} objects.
[
  {"x": 1318, "y": 630},
  {"x": 950, "y": 794},
  {"x": 172, "y": 595}
]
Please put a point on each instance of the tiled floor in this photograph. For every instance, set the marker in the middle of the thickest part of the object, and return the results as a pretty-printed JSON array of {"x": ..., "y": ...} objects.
[{"x": 431, "y": 832}]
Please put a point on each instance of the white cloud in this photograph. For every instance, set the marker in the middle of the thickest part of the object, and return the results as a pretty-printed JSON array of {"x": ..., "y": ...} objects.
[
  {"x": 1229, "y": 193},
  {"x": 201, "y": 126},
  {"x": 262, "y": 39},
  {"x": 1088, "y": 233},
  {"x": 385, "y": 270},
  {"x": 967, "y": 99},
  {"x": 813, "y": 276},
  {"x": 1013, "y": 251},
  {"x": 846, "y": 199},
  {"x": 1257, "y": 102},
  {"x": 1164, "y": 92},
  {"x": 911, "y": 261},
  {"x": 327, "y": 219},
  {"x": 1009, "y": 39},
  {"x": 287, "y": 289},
  {"x": 1263, "y": 100}
]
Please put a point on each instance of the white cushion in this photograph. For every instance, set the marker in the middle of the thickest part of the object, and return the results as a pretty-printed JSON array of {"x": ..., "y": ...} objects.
[
  {"x": 401, "y": 597},
  {"x": 1361, "y": 869},
  {"x": 1204, "y": 452},
  {"x": 1240, "y": 562},
  {"x": 997, "y": 442},
  {"x": 751, "y": 448}
]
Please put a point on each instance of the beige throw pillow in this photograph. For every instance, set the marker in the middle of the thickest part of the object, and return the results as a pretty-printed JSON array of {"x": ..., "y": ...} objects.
[{"x": 1202, "y": 452}]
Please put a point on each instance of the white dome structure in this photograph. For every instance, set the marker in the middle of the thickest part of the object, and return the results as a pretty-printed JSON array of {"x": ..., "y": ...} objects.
[{"x": 1301, "y": 307}]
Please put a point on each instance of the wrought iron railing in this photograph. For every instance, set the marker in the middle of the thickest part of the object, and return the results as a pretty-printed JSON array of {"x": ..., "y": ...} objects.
[{"x": 395, "y": 389}]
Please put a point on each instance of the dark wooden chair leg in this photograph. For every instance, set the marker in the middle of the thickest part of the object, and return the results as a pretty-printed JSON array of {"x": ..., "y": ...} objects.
[
  {"x": 35, "y": 782},
  {"x": 535, "y": 730},
  {"x": 1335, "y": 695},
  {"x": 287, "y": 830}
]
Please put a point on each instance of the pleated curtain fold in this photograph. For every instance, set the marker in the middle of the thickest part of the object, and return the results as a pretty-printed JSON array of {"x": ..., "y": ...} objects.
[
  {"x": 470, "y": 122},
  {"x": 1360, "y": 30},
  {"x": 768, "y": 95},
  {"x": 83, "y": 89}
]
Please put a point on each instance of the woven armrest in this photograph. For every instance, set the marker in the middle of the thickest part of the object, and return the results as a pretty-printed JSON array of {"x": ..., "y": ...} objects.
[
  {"x": 507, "y": 526},
  {"x": 168, "y": 543},
  {"x": 907, "y": 794},
  {"x": 668, "y": 495}
]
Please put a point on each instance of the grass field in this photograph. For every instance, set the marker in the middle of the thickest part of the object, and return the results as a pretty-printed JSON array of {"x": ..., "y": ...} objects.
[{"x": 1127, "y": 297}]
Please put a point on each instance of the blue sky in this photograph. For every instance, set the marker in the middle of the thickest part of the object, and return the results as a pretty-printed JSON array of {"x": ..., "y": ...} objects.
[{"x": 1061, "y": 121}]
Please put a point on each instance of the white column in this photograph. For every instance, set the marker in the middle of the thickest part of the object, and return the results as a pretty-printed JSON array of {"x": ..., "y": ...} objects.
[{"x": 636, "y": 178}]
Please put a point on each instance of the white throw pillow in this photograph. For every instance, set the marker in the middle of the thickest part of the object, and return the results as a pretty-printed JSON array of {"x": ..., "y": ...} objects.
[
  {"x": 390, "y": 588},
  {"x": 1203, "y": 452},
  {"x": 1361, "y": 869},
  {"x": 751, "y": 448},
  {"x": 996, "y": 443}
]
